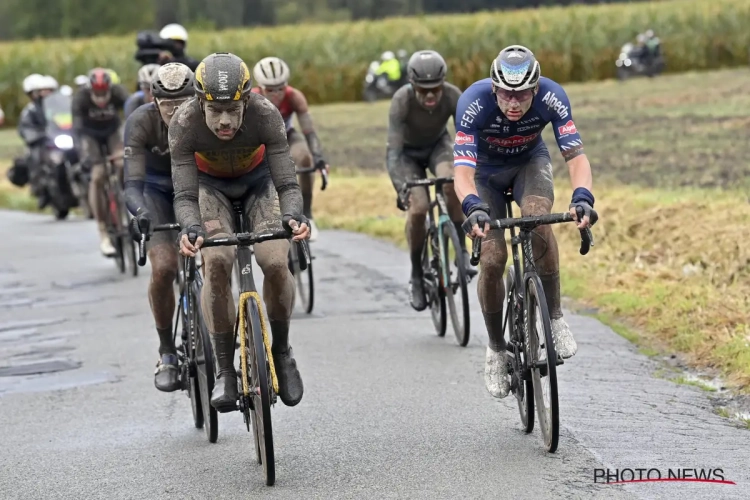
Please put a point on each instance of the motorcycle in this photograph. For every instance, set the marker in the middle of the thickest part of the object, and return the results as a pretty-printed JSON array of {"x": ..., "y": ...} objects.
[
  {"x": 377, "y": 87},
  {"x": 64, "y": 179},
  {"x": 631, "y": 62}
]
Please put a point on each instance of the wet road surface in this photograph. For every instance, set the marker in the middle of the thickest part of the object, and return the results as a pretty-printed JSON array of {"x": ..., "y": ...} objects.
[{"x": 390, "y": 410}]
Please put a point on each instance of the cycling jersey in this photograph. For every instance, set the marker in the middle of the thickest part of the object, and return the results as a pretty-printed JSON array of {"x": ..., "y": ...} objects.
[
  {"x": 287, "y": 107},
  {"x": 260, "y": 142},
  {"x": 100, "y": 123},
  {"x": 135, "y": 101},
  {"x": 485, "y": 136}
]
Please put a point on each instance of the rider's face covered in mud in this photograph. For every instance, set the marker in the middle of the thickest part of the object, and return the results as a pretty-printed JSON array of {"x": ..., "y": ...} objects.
[
  {"x": 428, "y": 98},
  {"x": 167, "y": 107},
  {"x": 224, "y": 118},
  {"x": 514, "y": 103}
]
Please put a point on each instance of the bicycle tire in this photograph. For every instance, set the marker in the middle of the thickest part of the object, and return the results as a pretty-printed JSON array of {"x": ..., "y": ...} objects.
[
  {"x": 260, "y": 378},
  {"x": 435, "y": 294},
  {"x": 190, "y": 371},
  {"x": 204, "y": 365},
  {"x": 461, "y": 330},
  {"x": 129, "y": 246},
  {"x": 524, "y": 392},
  {"x": 536, "y": 309},
  {"x": 305, "y": 286}
]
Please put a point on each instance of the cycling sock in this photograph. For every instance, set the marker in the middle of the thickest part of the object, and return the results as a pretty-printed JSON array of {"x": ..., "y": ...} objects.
[
  {"x": 166, "y": 341},
  {"x": 280, "y": 333},
  {"x": 494, "y": 323}
]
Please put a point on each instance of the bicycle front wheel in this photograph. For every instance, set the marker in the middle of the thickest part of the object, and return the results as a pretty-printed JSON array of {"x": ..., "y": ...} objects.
[
  {"x": 543, "y": 362},
  {"x": 456, "y": 291},
  {"x": 433, "y": 290},
  {"x": 524, "y": 387},
  {"x": 259, "y": 378},
  {"x": 204, "y": 364},
  {"x": 304, "y": 279}
]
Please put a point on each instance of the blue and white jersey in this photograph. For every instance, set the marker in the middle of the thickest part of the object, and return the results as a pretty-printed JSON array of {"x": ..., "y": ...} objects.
[{"x": 484, "y": 136}]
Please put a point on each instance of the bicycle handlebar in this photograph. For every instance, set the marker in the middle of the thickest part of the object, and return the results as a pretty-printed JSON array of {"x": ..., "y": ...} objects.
[
  {"x": 434, "y": 181},
  {"x": 529, "y": 223},
  {"x": 323, "y": 174},
  {"x": 142, "y": 242}
]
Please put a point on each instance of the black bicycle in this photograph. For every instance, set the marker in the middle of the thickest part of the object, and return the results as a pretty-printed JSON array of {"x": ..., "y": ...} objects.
[
  {"x": 530, "y": 354},
  {"x": 117, "y": 216},
  {"x": 305, "y": 283},
  {"x": 257, "y": 382},
  {"x": 444, "y": 272},
  {"x": 194, "y": 354}
]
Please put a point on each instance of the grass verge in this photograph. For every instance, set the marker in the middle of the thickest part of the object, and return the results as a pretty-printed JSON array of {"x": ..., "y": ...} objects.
[{"x": 671, "y": 264}]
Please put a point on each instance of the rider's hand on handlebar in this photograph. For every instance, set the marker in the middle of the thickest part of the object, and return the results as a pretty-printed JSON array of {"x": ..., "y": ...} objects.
[
  {"x": 141, "y": 224},
  {"x": 299, "y": 225},
  {"x": 589, "y": 214},
  {"x": 478, "y": 222},
  {"x": 191, "y": 239}
]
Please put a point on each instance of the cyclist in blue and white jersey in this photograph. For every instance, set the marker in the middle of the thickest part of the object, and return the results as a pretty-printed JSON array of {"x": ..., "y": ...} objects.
[{"x": 498, "y": 145}]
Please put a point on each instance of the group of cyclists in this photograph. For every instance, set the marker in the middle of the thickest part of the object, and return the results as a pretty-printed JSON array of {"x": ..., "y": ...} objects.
[{"x": 196, "y": 141}]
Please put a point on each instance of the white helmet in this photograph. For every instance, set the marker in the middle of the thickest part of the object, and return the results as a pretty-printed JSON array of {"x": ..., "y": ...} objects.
[
  {"x": 387, "y": 55},
  {"x": 81, "y": 80},
  {"x": 146, "y": 73},
  {"x": 174, "y": 31},
  {"x": 270, "y": 72},
  {"x": 66, "y": 90},
  {"x": 515, "y": 68},
  {"x": 33, "y": 82},
  {"x": 50, "y": 83}
]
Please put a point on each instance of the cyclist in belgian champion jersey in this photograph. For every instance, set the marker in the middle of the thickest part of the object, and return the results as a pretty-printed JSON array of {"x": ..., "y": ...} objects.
[
  {"x": 149, "y": 195},
  {"x": 418, "y": 140},
  {"x": 272, "y": 76},
  {"x": 229, "y": 144},
  {"x": 498, "y": 145}
]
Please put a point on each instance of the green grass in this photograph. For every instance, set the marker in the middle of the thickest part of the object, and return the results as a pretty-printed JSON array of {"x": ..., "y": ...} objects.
[{"x": 694, "y": 383}]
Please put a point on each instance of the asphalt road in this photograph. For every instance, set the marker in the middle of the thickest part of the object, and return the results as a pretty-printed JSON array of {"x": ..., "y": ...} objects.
[{"x": 390, "y": 410}]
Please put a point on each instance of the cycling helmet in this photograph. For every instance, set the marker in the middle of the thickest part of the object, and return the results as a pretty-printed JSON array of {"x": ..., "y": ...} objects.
[
  {"x": 81, "y": 80},
  {"x": 427, "y": 69},
  {"x": 50, "y": 83},
  {"x": 100, "y": 80},
  {"x": 146, "y": 74},
  {"x": 515, "y": 68},
  {"x": 174, "y": 31},
  {"x": 271, "y": 72},
  {"x": 387, "y": 55},
  {"x": 32, "y": 82},
  {"x": 171, "y": 81},
  {"x": 222, "y": 77}
]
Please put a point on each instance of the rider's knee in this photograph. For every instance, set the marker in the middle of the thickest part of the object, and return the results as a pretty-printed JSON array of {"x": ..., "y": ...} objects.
[
  {"x": 419, "y": 204},
  {"x": 163, "y": 264},
  {"x": 98, "y": 175},
  {"x": 493, "y": 257},
  {"x": 217, "y": 262},
  {"x": 272, "y": 258},
  {"x": 535, "y": 205}
]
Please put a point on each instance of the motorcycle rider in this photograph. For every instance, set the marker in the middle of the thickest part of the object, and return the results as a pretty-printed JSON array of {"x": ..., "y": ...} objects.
[
  {"x": 418, "y": 140},
  {"x": 32, "y": 129},
  {"x": 149, "y": 195},
  {"x": 390, "y": 67},
  {"x": 653, "y": 47},
  {"x": 272, "y": 76},
  {"x": 96, "y": 122},
  {"x": 179, "y": 36},
  {"x": 143, "y": 95}
]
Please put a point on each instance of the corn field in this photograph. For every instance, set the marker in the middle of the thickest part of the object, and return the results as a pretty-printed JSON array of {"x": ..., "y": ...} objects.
[{"x": 329, "y": 61}]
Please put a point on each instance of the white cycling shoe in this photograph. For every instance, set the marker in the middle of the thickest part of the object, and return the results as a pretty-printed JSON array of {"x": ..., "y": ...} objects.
[
  {"x": 496, "y": 373},
  {"x": 105, "y": 246},
  {"x": 565, "y": 344},
  {"x": 313, "y": 230}
]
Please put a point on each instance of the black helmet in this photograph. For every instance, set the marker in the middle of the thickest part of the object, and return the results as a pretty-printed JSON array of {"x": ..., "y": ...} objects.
[
  {"x": 427, "y": 69},
  {"x": 515, "y": 68},
  {"x": 171, "y": 81},
  {"x": 222, "y": 77}
]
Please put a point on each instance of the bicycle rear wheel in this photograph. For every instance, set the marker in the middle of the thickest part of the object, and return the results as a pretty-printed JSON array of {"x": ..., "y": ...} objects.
[
  {"x": 204, "y": 365},
  {"x": 456, "y": 284},
  {"x": 543, "y": 363},
  {"x": 128, "y": 245},
  {"x": 305, "y": 285},
  {"x": 433, "y": 290},
  {"x": 259, "y": 378},
  {"x": 521, "y": 383}
]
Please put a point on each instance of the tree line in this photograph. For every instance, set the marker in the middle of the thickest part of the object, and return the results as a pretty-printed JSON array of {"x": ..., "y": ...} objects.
[{"x": 26, "y": 19}]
